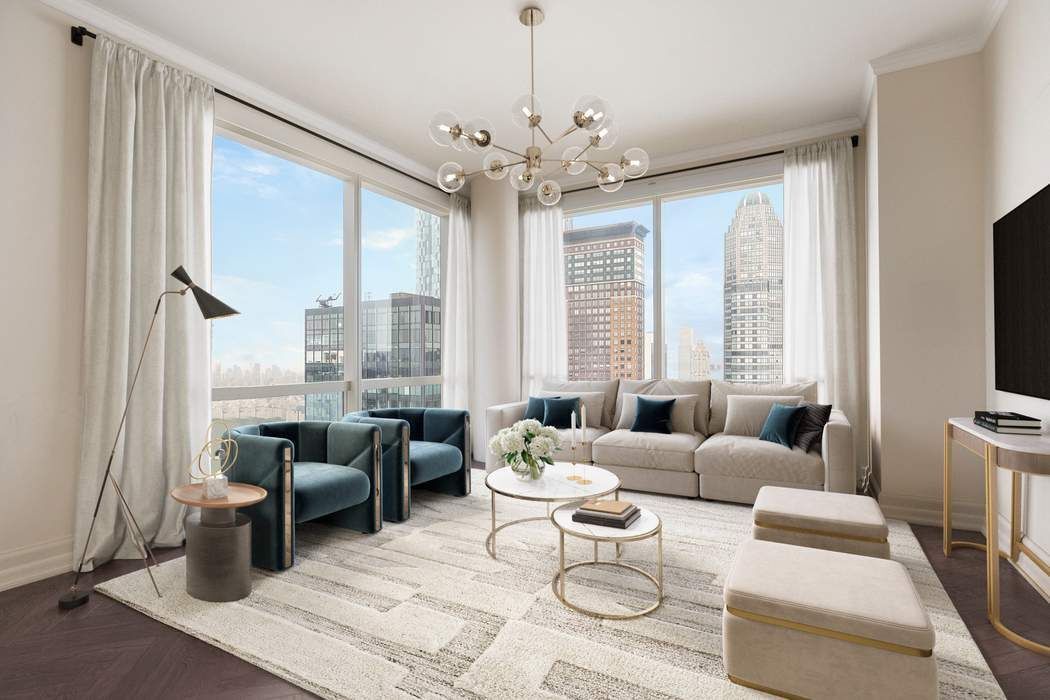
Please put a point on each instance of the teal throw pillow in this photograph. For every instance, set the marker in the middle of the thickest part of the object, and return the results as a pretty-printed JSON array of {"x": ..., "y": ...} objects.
[
  {"x": 782, "y": 424},
  {"x": 653, "y": 416}
]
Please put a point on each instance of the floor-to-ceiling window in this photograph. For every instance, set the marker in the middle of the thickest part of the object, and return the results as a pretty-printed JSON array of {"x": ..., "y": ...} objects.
[
  {"x": 684, "y": 284},
  {"x": 338, "y": 288},
  {"x": 609, "y": 292},
  {"x": 400, "y": 303}
]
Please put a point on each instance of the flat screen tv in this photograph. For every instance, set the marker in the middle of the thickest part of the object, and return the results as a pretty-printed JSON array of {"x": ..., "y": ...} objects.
[{"x": 1021, "y": 268}]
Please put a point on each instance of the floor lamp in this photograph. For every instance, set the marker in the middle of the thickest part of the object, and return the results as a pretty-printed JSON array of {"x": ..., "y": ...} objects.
[{"x": 210, "y": 308}]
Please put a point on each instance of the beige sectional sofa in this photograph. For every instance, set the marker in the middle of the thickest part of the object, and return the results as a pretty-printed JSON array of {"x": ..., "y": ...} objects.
[{"x": 705, "y": 462}]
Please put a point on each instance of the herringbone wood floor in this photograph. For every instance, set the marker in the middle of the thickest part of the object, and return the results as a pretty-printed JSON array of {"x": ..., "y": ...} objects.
[{"x": 105, "y": 649}]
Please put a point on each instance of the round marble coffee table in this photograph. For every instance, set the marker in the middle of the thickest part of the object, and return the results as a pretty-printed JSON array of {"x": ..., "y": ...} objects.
[
  {"x": 552, "y": 487},
  {"x": 647, "y": 525}
]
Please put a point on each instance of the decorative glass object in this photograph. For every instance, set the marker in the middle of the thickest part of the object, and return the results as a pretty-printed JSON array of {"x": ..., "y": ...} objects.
[
  {"x": 526, "y": 111},
  {"x": 451, "y": 177},
  {"x": 442, "y": 126},
  {"x": 216, "y": 486},
  {"x": 549, "y": 192},
  {"x": 527, "y": 447},
  {"x": 496, "y": 165},
  {"x": 635, "y": 162}
]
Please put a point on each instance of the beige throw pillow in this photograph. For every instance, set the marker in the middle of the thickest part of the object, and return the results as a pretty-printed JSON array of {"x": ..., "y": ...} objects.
[
  {"x": 593, "y": 400},
  {"x": 720, "y": 390},
  {"x": 681, "y": 415},
  {"x": 747, "y": 414}
]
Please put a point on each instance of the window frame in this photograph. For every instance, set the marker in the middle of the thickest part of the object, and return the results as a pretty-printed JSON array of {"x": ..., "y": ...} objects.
[
  {"x": 251, "y": 129},
  {"x": 654, "y": 192}
]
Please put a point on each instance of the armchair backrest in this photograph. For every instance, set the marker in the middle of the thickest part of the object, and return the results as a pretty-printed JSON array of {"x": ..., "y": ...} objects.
[{"x": 309, "y": 438}]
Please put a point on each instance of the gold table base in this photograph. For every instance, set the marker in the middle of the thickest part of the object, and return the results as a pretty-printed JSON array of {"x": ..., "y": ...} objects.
[
  {"x": 558, "y": 582},
  {"x": 991, "y": 549}
]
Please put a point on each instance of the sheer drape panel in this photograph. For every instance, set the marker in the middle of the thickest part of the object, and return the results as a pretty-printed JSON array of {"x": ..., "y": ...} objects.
[
  {"x": 149, "y": 183},
  {"x": 544, "y": 334},
  {"x": 821, "y": 303},
  {"x": 457, "y": 323}
]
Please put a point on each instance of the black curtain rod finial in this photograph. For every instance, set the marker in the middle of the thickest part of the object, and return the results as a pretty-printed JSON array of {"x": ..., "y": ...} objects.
[{"x": 77, "y": 34}]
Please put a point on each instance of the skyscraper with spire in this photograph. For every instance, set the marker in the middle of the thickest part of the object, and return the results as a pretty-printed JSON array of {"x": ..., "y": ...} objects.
[{"x": 754, "y": 293}]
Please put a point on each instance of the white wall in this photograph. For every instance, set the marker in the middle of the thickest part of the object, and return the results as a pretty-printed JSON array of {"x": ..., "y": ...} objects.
[
  {"x": 1017, "y": 110},
  {"x": 43, "y": 208},
  {"x": 497, "y": 284},
  {"x": 926, "y": 238}
]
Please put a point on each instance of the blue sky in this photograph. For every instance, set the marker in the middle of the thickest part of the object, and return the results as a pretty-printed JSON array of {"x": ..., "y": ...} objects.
[
  {"x": 277, "y": 244},
  {"x": 277, "y": 232},
  {"x": 694, "y": 263}
]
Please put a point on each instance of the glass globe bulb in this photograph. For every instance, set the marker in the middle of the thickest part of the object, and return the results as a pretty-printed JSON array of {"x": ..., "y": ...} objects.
[
  {"x": 525, "y": 110},
  {"x": 442, "y": 126},
  {"x": 635, "y": 162},
  {"x": 610, "y": 178},
  {"x": 604, "y": 137},
  {"x": 549, "y": 193},
  {"x": 521, "y": 178},
  {"x": 567, "y": 156},
  {"x": 451, "y": 177},
  {"x": 591, "y": 112},
  {"x": 495, "y": 166},
  {"x": 477, "y": 135}
]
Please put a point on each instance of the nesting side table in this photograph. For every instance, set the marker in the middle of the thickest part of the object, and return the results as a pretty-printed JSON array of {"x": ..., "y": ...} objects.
[{"x": 218, "y": 542}]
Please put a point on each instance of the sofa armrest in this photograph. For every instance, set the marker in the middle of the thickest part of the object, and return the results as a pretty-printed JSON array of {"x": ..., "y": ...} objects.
[
  {"x": 267, "y": 462},
  {"x": 840, "y": 470},
  {"x": 496, "y": 419}
]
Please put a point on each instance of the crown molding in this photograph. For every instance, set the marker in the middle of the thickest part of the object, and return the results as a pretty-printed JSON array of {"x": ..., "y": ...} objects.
[
  {"x": 944, "y": 50},
  {"x": 100, "y": 20}
]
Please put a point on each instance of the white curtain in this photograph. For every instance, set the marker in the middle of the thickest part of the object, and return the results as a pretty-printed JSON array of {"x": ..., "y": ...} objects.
[
  {"x": 149, "y": 183},
  {"x": 457, "y": 323},
  {"x": 544, "y": 334},
  {"x": 821, "y": 303}
]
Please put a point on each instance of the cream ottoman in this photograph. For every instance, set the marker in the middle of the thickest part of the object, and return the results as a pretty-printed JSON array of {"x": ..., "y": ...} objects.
[
  {"x": 837, "y": 521},
  {"x": 819, "y": 624}
]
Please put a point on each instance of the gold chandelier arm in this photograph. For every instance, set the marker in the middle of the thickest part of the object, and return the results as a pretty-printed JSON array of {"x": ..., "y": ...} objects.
[
  {"x": 542, "y": 131},
  {"x": 507, "y": 150},
  {"x": 481, "y": 170}
]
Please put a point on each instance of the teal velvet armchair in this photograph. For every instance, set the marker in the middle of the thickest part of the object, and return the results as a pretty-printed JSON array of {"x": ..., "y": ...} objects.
[
  {"x": 312, "y": 470},
  {"x": 424, "y": 447}
]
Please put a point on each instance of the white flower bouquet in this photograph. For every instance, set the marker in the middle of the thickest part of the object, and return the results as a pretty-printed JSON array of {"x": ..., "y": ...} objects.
[{"x": 527, "y": 447}]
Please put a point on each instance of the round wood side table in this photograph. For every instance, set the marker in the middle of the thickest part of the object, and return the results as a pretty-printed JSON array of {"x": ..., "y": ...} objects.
[{"x": 218, "y": 541}]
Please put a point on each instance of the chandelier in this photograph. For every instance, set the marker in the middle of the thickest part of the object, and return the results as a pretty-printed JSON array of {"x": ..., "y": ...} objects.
[{"x": 591, "y": 115}]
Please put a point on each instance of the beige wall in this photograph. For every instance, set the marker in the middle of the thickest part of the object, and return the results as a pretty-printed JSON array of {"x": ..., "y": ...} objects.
[
  {"x": 926, "y": 228},
  {"x": 1017, "y": 112},
  {"x": 43, "y": 178}
]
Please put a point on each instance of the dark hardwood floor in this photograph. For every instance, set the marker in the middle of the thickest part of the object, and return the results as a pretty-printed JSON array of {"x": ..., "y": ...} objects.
[
  {"x": 106, "y": 649},
  {"x": 1021, "y": 673}
]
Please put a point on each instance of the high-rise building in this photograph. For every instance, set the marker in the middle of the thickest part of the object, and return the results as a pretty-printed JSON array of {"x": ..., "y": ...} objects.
[
  {"x": 605, "y": 292},
  {"x": 401, "y": 337},
  {"x": 428, "y": 254},
  {"x": 700, "y": 361},
  {"x": 685, "y": 352},
  {"x": 754, "y": 293},
  {"x": 323, "y": 343}
]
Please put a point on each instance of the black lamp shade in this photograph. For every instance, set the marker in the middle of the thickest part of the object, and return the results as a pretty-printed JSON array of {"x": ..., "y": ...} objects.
[{"x": 210, "y": 306}]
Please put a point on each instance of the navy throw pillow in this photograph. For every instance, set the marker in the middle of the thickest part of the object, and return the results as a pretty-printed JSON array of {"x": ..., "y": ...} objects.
[
  {"x": 781, "y": 424},
  {"x": 534, "y": 411},
  {"x": 557, "y": 413},
  {"x": 811, "y": 425},
  {"x": 653, "y": 416}
]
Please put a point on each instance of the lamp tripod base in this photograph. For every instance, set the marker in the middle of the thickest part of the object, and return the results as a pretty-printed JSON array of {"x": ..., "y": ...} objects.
[{"x": 73, "y": 598}]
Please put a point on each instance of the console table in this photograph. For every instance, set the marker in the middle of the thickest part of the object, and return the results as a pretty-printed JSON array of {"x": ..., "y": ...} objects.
[{"x": 1020, "y": 454}]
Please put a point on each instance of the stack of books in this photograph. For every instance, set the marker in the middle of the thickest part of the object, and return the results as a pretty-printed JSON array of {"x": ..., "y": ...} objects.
[
  {"x": 608, "y": 513},
  {"x": 1008, "y": 422}
]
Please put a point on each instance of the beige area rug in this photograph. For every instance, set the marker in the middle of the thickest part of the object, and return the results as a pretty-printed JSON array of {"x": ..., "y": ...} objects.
[{"x": 420, "y": 610}]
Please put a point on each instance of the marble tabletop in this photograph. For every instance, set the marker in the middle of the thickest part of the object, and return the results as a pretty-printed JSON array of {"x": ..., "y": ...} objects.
[
  {"x": 553, "y": 486},
  {"x": 646, "y": 524}
]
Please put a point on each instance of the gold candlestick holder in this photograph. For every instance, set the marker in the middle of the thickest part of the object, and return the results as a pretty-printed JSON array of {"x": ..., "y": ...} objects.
[
  {"x": 572, "y": 465},
  {"x": 582, "y": 478}
]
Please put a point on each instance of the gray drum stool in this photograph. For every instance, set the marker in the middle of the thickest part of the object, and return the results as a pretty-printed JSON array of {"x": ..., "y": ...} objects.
[{"x": 218, "y": 542}]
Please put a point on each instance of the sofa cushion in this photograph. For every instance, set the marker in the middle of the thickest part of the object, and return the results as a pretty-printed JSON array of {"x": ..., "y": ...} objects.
[
  {"x": 670, "y": 387},
  {"x": 583, "y": 449},
  {"x": 320, "y": 489},
  {"x": 746, "y": 415},
  {"x": 430, "y": 460},
  {"x": 751, "y": 458},
  {"x": 681, "y": 415},
  {"x": 863, "y": 596},
  {"x": 624, "y": 448},
  {"x": 593, "y": 400},
  {"x": 608, "y": 388},
  {"x": 721, "y": 390}
]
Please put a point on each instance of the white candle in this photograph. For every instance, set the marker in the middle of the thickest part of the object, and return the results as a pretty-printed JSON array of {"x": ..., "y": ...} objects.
[
  {"x": 583, "y": 422},
  {"x": 573, "y": 434}
]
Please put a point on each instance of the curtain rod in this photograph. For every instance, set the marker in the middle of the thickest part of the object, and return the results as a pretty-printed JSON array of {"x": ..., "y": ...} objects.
[
  {"x": 77, "y": 34},
  {"x": 854, "y": 139}
]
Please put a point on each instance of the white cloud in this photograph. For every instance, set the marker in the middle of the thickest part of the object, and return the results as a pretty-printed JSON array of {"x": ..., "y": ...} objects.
[
  {"x": 387, "y": 239},
  {"x": 250, "y": 172}
]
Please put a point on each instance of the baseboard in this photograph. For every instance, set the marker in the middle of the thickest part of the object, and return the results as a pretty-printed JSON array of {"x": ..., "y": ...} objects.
[
  {"x": 930, "y": 511},
  {"x": 34, "y": 562}
]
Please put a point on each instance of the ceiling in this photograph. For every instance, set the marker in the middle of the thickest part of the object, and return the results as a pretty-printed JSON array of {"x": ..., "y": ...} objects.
[{"x": 683, "y": 77}]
